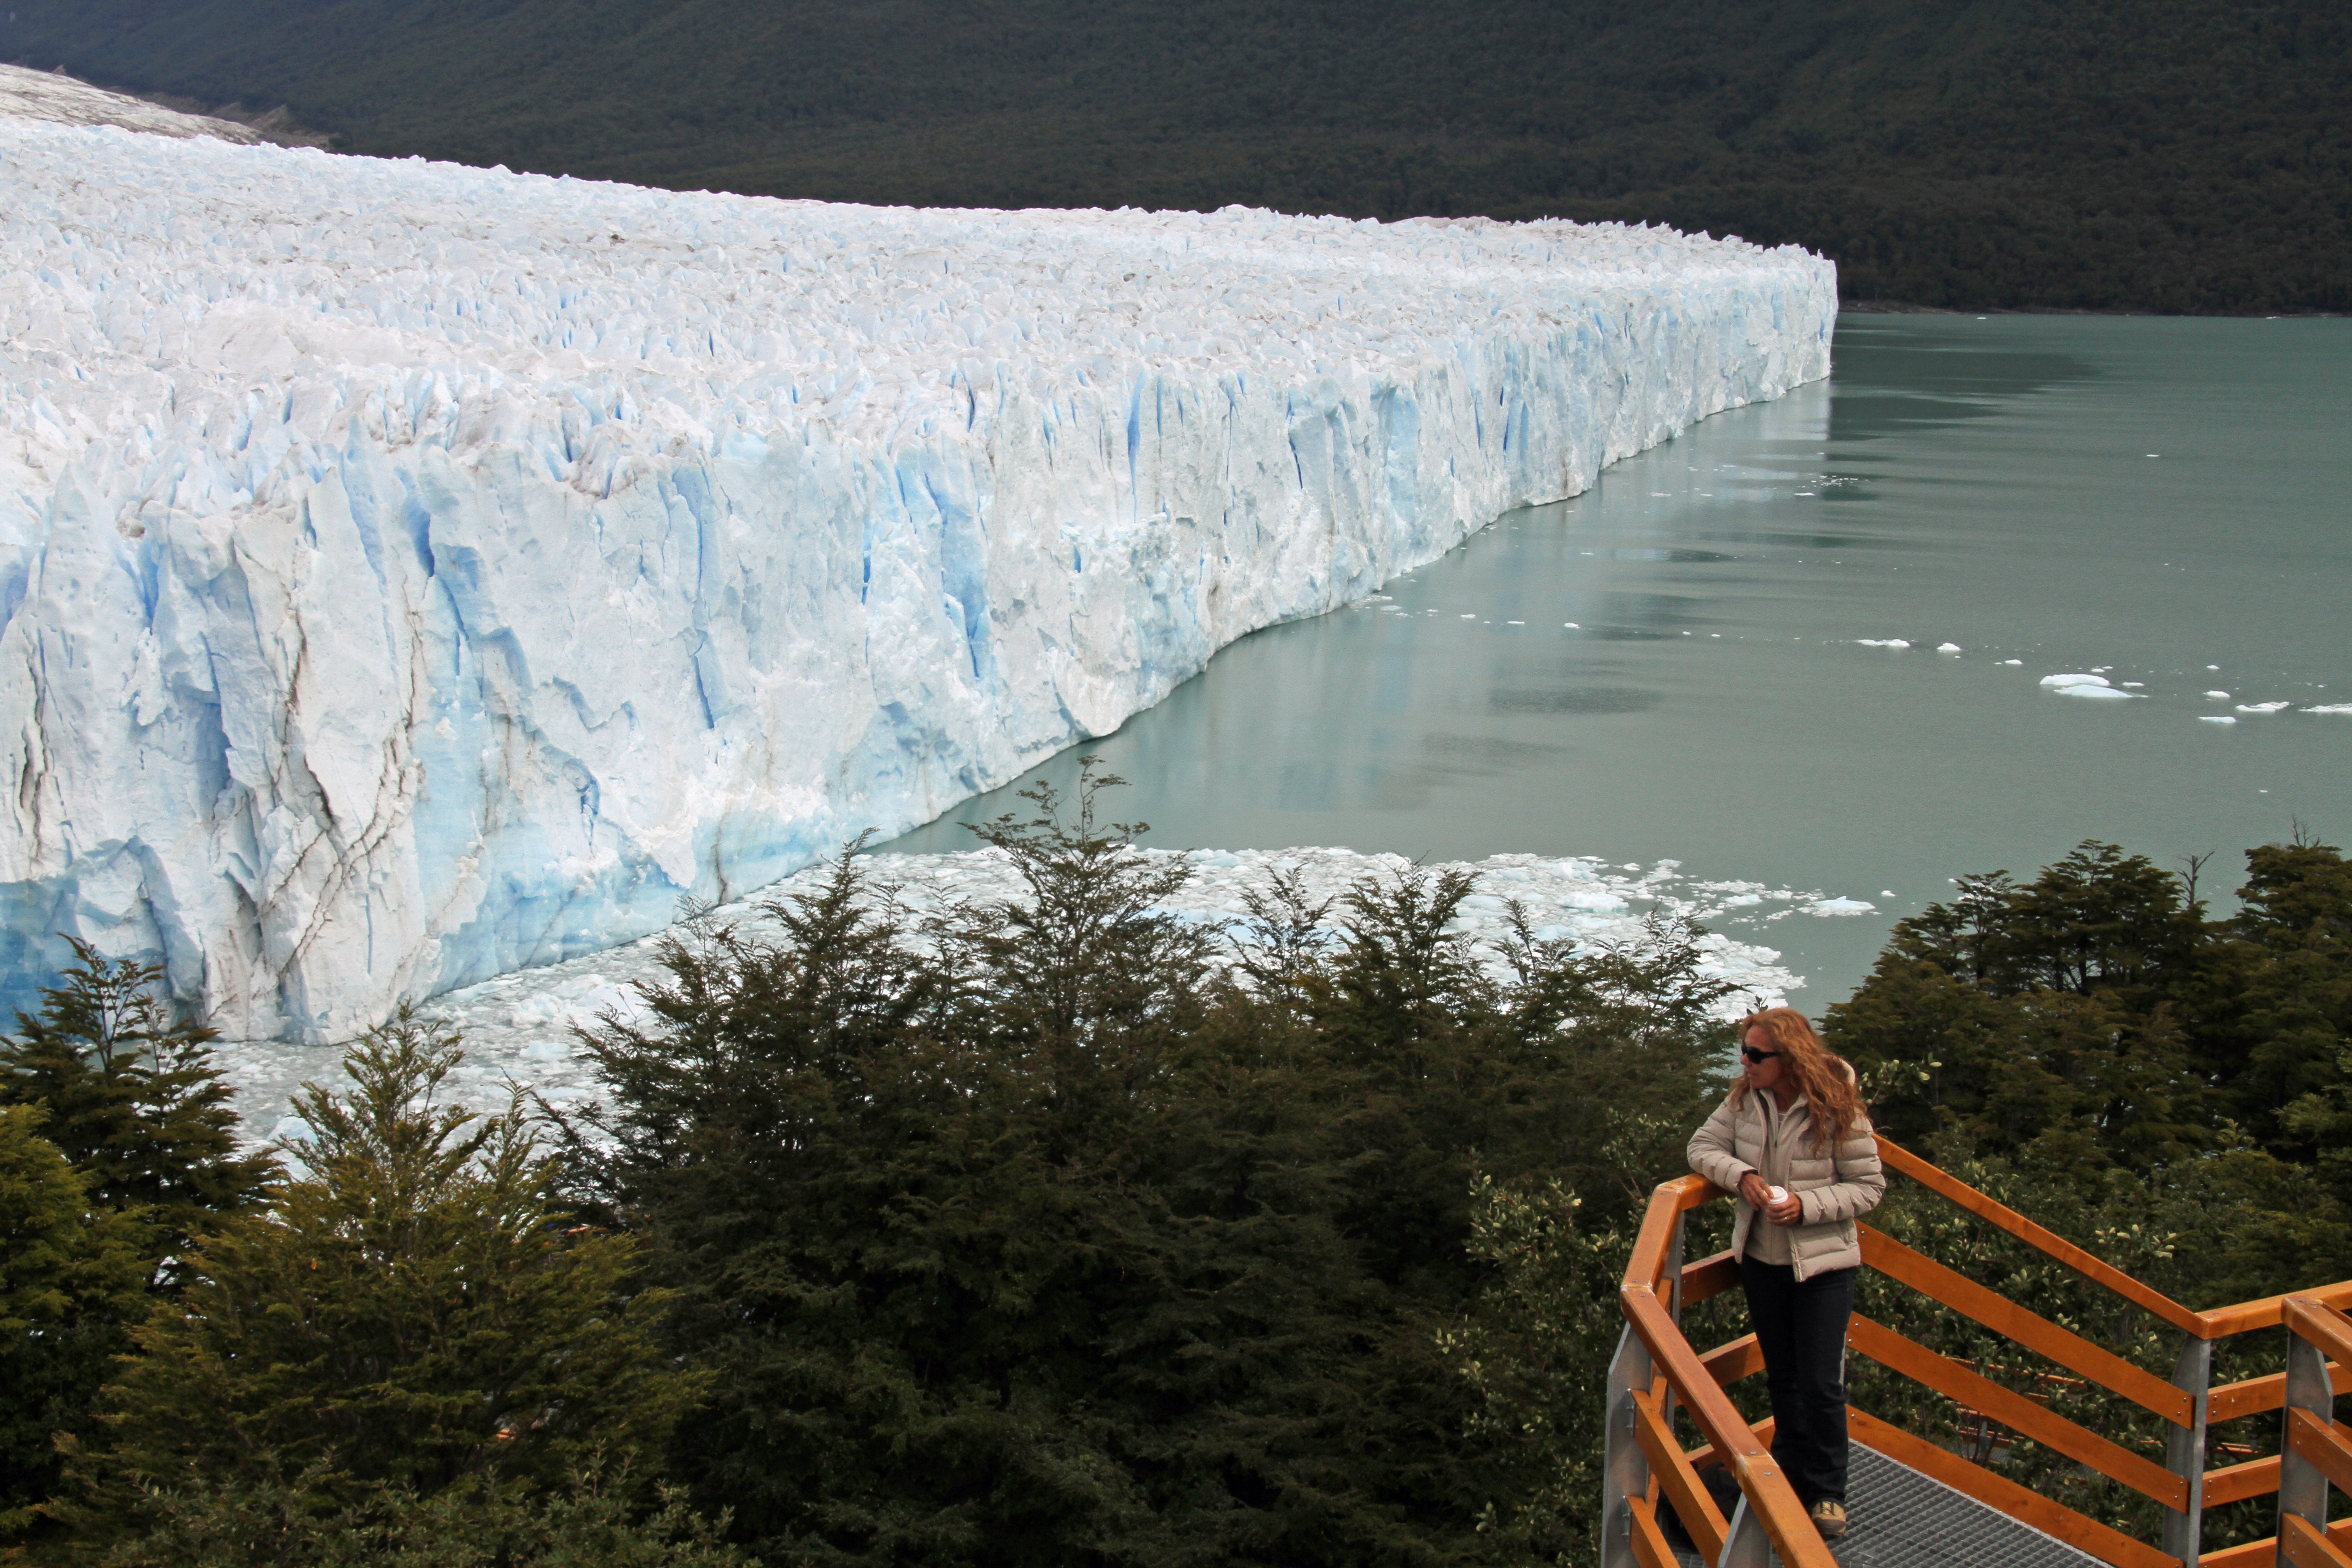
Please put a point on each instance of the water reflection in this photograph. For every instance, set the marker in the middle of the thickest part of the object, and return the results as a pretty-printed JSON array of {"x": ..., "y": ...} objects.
[{"x": 1668, "y": 666}]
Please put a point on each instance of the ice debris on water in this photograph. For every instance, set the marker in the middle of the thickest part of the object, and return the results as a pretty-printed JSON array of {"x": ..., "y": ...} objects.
[
  {"x": 2217, "y": 696},
  {"x": 1882, "y": 642},
  {"x": 2331, "y": 708},
  {"x": 521, "y": 1027},
  {"x": 2262, "y": 706},
  {"x": 2217, "y": 718},
  {"x": 2083, "y": 685},
  {"x": 418, "y": 573}
]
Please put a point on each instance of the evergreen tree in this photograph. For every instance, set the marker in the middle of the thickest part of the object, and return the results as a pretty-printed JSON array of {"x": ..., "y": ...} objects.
[
  {"x": 1534, "y": 1347},
  {"x": 416, "y": 1309},
  {"x": 136, "y": 1104},
  {"x": 72, "y": 1284},
  {"x": 2058, "y": 1005},
  {"x": 590, "y": 1521},
  {"x": 1055, "y": 1232},
  {"x": 2278, "y": 1029}
]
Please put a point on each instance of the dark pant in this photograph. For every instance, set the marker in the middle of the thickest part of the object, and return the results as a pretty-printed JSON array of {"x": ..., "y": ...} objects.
[{"x": 1801, "y": 1328}]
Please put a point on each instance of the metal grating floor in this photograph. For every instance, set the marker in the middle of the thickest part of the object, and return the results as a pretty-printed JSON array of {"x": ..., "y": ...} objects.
[{"x": 1897, "y": 1518}]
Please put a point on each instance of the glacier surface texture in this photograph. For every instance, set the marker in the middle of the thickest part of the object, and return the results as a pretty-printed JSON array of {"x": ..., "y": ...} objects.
[{"x": 413, "y": 573}]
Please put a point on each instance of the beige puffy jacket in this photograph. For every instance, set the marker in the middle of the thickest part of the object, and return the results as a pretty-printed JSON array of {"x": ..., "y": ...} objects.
[{"x": 1833, "y": 1188}]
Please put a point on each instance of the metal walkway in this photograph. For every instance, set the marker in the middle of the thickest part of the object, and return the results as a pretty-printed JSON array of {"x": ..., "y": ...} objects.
[{"x": 1897, "y": 1518}]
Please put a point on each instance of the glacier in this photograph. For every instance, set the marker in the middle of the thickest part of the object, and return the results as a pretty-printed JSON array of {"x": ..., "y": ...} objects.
[{"x": 411, "y": 574}]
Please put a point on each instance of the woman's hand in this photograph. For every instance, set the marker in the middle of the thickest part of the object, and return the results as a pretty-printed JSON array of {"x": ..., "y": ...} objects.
[{"x": 1759, "y": 1194}]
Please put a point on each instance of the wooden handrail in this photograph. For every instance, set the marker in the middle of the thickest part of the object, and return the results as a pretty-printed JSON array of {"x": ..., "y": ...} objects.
[
  {"x": 1728, "y": 1363},
  {"x": 1650, "y": 1548},
  {"x": 2236, "y": 1483},
  {"x": 2036, "y": 1334},
  {"x": 1680, "y": 1483},
  {"x": 2262, "y": 1553},
  {"x": 2301, "y": 1545},
  {"x": 2258, "y": 1395},
  {"x": 2014, "y": 1411},
  {"x": 2269, "y": 1311},
  {"x": 1709, "y": 1277},
  {"x": 1767, "y": 1491},
  {"x": 2256, "y": 1477},
  {"x": 2003, "y": 1217},
  {"x": 1698, "y": 1382},
  {"x": 2309, "y": 1318},
  {"x": 2318, "y": 1441}
]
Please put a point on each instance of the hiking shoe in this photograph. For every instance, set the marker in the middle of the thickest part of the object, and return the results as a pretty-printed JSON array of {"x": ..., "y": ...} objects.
[{"x": 1829, "y": 1518}]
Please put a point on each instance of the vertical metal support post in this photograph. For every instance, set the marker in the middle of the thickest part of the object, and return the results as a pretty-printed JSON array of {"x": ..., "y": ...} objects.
[
  {"x": 2184, "y": 1452},
  {"x": 2303, "y": 1488},
  {"x": 1674, "y": 1271},
  {"x": 1673, "y": 1307},
  {"x": 1745, "y": 1544},
  {"x": 1625, "y": 1473}
]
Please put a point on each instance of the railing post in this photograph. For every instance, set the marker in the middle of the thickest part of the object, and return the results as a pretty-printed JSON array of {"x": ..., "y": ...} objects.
[
  {"x": 2302, "y": 1488},
  {"x": 1625, "y": 1474},
  {"x": 1745, "y": 1544},
  {"x": 2184, "y": 1452}
]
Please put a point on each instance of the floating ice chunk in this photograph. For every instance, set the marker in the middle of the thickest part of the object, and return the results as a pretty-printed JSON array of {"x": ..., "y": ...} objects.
[
  {"x": 2331, "y": 708},
  {"x": 2013, "y": 661},
  {"x": 2216, "y": 719},
  {"x": 2262, "y": 706},
  {"x": 1885, "y": 892},
  {"x": 1883, "y": 642},
  {"x": 2081, "y": 685},
  {"x": 2217, "y": 696},
  {"x": 1947, "y": 648},
  {"x": 1840, "y": 907},
  {"x": 2135, "y": 683},
  {"x": 1571, "y": 626}
]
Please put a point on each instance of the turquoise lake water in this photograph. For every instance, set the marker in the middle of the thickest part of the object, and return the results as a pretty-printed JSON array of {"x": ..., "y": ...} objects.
[{"x": 2159, "y": 501}]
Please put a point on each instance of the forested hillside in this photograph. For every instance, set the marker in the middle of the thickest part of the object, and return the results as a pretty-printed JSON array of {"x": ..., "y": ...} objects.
[{"x": 2183, "y": 155}]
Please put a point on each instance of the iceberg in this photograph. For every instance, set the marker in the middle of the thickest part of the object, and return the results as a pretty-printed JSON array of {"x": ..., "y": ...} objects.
[{"x": 412, "y": 573}]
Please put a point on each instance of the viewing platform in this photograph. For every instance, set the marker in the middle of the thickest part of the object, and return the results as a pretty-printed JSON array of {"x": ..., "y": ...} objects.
[{"x": 1916, "y": 1502}]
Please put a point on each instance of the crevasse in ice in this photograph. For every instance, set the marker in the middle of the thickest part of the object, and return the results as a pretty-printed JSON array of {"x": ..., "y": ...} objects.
[{"x": 414, "y": 573}]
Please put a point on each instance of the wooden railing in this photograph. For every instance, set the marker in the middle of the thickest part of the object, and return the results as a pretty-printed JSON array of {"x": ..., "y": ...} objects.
[{"x": 1656, "y": 1372}]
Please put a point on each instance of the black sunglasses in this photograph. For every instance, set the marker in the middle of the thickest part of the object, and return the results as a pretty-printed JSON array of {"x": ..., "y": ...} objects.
[{"x": 1757, "y": 1057}]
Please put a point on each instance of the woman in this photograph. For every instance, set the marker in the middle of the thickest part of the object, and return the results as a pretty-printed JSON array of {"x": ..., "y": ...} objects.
[{"x": 1794, "y": 1123}]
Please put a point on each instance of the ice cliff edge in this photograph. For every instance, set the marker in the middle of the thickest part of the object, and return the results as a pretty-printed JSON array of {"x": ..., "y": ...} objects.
[{"x": 413, "y": 573}]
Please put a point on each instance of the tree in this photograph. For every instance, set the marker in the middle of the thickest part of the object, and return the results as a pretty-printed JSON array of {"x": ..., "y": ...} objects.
[
  {"x": 591, "y": 1521},
  {"x": 1060, "y": 1232},
  {"x": 1535, "y": 1347},
  {"x": 415, "y": 1310},
  {"x": 72, "y": 1284},
  {"x": 2277, "y": 1028},
  {"x": 2057, "y": 1005},
  {"x": 136, "y": 1104}
]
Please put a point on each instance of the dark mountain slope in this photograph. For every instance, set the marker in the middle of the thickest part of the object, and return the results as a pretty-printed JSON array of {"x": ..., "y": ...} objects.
[{"x": 2168, "y": 154}]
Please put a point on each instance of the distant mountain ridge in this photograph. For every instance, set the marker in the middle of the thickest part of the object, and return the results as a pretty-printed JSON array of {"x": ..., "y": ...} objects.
[{"x": 2173, "y": 155}]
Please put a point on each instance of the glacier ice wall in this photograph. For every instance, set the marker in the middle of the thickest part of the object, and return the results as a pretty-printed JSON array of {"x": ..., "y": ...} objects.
[{"x": 412, "y": 572}]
